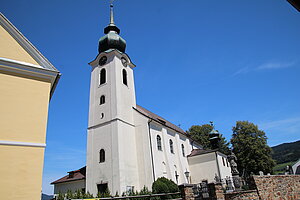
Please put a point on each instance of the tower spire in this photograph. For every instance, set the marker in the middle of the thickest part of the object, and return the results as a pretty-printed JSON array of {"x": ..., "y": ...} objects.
[
  {"x": 111, "y": 26},
  {"x": 111, "y": 14},
  {"x": 112, "y": 39}
]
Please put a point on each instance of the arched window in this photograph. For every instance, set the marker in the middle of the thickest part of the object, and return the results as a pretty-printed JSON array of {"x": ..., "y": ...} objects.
[
  {"x": 182, "y": 148},
  {"x": 171, "y": 146},
  {"x": 102, "y": 99},
  {"x": 158, "y": 138},
  {"x": 102, "y": 156},
  {"x": 124, "y": 73},
  {"x": 102, "y": 76}
]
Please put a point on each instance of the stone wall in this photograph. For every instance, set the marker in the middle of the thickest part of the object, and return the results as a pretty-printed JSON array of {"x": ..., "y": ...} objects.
[
  {"x": 245, "y": 195},
  {"x": 216, "y": 191},
  {"x": 278, "y": 187},
  {"x": 187, "y": 191},
  {"x": 281, "y": 187}
]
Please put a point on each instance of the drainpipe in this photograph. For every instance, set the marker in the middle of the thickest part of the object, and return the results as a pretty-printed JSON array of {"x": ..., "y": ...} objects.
[
  {"x": 218, "y": 165},
  {"x": 149, "y": 121}
]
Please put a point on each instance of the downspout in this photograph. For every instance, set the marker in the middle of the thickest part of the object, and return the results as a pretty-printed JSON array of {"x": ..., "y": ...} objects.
[
  {"x": 218, "y": 165},
  {"x": 149, "y": 121}
]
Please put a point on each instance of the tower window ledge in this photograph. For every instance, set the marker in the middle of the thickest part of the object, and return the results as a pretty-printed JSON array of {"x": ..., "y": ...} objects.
[
  {"x": 103, "y": 84},
  {"x": 125, "y": 86}
]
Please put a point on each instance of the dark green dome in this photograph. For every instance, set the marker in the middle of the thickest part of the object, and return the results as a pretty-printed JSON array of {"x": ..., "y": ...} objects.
[{"x": 112, "y": 39}]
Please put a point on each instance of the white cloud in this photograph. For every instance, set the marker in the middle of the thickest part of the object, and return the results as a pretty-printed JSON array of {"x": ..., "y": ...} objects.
[
  {"x": 275, "y": 65},
  {"x": 242, "y": 71},
  {"x": 265, "y": 66},
  {"x": 283, "y": 130},
  {"x": 287, "y": 127}
]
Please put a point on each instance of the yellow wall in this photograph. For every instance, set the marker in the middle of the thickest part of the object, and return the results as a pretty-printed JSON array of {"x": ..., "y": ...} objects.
[
  {"x": 21, "y": 172},
  {"x": 23, "y": 118},
  {"x": 12, "y": 50},
  {"x": 24, "y": 108}
]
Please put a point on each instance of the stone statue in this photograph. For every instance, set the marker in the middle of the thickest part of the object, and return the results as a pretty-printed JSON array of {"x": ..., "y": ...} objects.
[
  {"x": 289, "y": 170},
  {"x": 232, "y": 160}
]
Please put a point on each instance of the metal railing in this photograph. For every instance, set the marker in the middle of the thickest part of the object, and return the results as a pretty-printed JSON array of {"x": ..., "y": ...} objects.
[{"x": 134, "y": 197}]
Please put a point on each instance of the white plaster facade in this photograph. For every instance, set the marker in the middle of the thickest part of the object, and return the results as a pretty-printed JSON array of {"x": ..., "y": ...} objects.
[
  {"x": 73, "y": 186},
  {"x": 205, "y": 167},
  {"x": 296, "y": 167}
]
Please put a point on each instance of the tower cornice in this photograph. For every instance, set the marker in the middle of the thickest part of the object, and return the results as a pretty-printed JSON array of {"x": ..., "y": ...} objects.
[{"x": 110, "y": 52}]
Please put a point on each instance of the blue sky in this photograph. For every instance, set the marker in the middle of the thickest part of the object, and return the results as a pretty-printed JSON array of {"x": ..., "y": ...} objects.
[{"x": 197, "y": 61}]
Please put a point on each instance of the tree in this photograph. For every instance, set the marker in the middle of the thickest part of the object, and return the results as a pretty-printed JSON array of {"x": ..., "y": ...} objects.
[
  {"x": 250, "y": 147},
  {"x": 201, "y": 135}
]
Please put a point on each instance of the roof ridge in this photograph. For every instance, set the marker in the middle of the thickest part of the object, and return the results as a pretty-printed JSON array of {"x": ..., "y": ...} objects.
[{"x": 157, "y": 117}]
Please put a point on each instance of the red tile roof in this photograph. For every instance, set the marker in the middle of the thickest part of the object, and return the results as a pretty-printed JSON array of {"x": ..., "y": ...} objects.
[
  {"x": 77, "y": 175},
  {"x": 196, "y": 152},
  {"x": 159, "y": 119}
]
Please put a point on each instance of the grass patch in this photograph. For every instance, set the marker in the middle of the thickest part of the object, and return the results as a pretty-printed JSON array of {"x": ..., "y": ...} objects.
[{"x": 280, "y": 168}]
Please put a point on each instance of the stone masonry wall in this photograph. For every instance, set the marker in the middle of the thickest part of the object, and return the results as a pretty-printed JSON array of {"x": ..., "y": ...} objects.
[
  {"x": 187, "y": 191},
  {"x": 283, "y": 187},
  {"x": 245, "y": 195}
]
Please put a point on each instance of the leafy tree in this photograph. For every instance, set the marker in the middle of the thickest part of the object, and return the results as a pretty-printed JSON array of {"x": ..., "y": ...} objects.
[
  {"x": 201, "y": 135},
  {"x": 250, "y": 147}
]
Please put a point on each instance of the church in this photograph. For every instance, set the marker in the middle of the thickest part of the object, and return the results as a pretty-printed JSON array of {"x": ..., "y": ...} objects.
[{"x": 128, "y": 146}]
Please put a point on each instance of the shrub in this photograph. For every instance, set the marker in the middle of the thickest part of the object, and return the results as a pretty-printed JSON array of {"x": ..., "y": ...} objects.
[
  {"x": 164, "y": 185},
  {"x": 78, "y": 194},
  {"x": 104, "y": 194},
  {"x": 69, "y": 194},
  {"x": 60, "y": 196},
  {"x": 87, "y": 195}
]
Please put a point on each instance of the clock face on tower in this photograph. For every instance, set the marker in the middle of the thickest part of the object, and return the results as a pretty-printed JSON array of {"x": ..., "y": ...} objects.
[
  {"x": 102, "y": 60},
  {"x": 124, "y": 61}
]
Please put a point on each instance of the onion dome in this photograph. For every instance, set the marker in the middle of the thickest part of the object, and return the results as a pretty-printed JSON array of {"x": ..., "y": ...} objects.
[
  {"x": 214, "y": 137},
  {"x": 111, "y": 40}
]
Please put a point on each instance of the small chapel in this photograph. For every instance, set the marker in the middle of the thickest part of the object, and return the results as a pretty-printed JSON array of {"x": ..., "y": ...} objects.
[{"x": 128, "y": 146}]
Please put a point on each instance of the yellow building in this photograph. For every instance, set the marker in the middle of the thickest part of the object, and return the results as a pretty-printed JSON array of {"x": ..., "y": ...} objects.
[{"x": 27, "y": 81}]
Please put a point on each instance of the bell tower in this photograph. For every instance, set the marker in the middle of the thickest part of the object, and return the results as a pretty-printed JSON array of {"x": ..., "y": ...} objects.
[{"x": 111, "y": 141}]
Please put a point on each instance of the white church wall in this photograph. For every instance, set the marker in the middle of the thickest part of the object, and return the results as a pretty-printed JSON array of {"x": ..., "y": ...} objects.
[
  {"x": 128, "y": 167},
  {"x": 160, "y": 169},
  {"x": 125, "y": 94},
  {"x": 183, "y": 163},
  {"x": 225, "y": 170},
  {"x": 73, "y": 186},
  {"x": 203, "y": 167},
  {"x": 165, "y": 162},
  {"x": 143, "y": 151},
  {"x": 173, "y": 158},
  {"x": 103, "y": 137}
]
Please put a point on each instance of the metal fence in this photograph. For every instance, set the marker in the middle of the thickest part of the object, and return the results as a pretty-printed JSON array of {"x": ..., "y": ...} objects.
[{"x": 148, "y": 196}]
